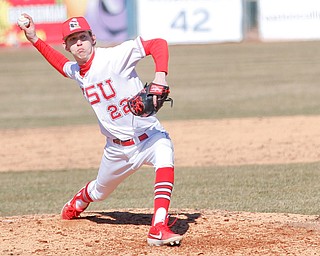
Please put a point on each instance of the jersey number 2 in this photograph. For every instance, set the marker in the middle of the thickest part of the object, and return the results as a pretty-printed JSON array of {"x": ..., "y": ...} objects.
[{"x": 115, "y": 111}]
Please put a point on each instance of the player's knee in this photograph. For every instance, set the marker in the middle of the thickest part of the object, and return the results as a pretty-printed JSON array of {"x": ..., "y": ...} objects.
[{"x": 98, "y": 192}]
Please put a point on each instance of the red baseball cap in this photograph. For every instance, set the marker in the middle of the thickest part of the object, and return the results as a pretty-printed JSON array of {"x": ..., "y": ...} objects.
[{"x": 74, "y": 25}]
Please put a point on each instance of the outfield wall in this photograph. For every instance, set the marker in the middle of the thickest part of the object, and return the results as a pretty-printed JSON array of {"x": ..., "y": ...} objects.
[
  {"x": 289, "y": 20},
  {"x": 178, "y": 21},
  {"x": 190, "y": 21}
]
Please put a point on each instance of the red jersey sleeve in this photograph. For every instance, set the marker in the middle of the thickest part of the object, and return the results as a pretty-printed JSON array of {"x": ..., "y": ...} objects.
[
  {"x": 55, "y": 58},
  {"x": 158, "y": 49}
]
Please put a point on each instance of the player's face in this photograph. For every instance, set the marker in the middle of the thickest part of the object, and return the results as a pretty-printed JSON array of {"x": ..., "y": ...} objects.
[{"x": 80, "y": 45}]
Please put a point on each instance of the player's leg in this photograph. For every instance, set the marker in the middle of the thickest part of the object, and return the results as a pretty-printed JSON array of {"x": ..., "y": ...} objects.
[
  {"x": 76, "y": 205},
  {"x": 160, "y": 233},
  {"x": 110, "y": 175},
  {"x": 163, "y": 186},
  {"x": 162, "y": 158},
  {"x": 112, "y": 171}
]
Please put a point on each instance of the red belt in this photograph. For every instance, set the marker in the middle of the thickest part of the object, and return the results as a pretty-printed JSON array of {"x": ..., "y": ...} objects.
[{"x": 130, "y": 141}]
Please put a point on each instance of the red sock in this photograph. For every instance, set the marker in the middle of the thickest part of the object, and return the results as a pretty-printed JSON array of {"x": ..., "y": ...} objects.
[
  {"x": 162, "y": 193},
  {"x": 85, "y": 194},
  {"x": 83, "y": 199}
]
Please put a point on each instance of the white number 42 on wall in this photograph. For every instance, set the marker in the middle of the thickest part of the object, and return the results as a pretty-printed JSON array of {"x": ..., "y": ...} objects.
[{"x": 196, "y": 21}]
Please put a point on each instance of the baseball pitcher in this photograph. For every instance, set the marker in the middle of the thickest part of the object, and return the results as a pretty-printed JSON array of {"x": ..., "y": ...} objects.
[{"x": 125, "y": 109}]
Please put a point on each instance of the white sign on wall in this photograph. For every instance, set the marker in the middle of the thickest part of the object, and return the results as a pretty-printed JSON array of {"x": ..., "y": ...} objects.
[
  {"x": 190, "y": 21},
  {"x": 289, "y": 19}
]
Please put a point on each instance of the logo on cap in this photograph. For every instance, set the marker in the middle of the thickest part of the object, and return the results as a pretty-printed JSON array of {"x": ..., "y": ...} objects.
[{"x": 74, "y": 24}]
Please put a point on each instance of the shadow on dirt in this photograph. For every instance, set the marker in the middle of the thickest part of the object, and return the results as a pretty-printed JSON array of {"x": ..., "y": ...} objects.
[{"x": 181, "y": 222}]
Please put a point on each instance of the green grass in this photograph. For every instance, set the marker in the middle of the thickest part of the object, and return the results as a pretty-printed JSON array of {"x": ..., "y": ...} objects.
[
  {"x": 290, "y": 188},
  {"x": 207, "y": 82}
]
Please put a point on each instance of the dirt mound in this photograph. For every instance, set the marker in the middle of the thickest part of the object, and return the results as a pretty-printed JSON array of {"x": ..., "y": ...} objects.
[
  {"x": 124, "y": 233},
  {"x": 197, "y": 143}
]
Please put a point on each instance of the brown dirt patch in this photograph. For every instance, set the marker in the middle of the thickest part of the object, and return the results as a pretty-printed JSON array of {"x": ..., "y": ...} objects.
[{"x": 197, "y": 143}]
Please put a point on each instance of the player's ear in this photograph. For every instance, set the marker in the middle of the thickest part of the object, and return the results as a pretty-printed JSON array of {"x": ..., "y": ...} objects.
[
  {"x": 94, "y": 39},
  {"x": 65, "y": 46}
]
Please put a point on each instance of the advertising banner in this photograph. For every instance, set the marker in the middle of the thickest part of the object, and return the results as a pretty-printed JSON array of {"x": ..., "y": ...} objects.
[
  {"x": 48, "y": 16},
  {"x": 107, "y": 18},
  {"x": 190, "y": 21},
  {"x": 289, "y": 19}
]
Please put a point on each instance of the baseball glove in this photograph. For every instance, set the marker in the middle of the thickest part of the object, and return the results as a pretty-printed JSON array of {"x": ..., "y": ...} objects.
[{"x": 142, "y": 103}]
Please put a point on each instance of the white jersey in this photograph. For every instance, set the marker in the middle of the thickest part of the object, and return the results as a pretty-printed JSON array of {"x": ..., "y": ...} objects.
[{"x": 108, "y": 84}]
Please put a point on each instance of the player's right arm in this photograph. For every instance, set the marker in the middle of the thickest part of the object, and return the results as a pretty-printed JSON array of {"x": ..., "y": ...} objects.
[{"x": 55, "y": 58}]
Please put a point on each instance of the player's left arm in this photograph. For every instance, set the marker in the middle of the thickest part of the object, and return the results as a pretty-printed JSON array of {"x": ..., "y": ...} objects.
[{"x": 158, "y": 49}]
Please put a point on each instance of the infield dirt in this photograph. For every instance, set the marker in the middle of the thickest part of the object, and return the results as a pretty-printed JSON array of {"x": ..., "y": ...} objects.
[
  {"x": 197, "y": 143},
  {"x": 272, "y": 140}
]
